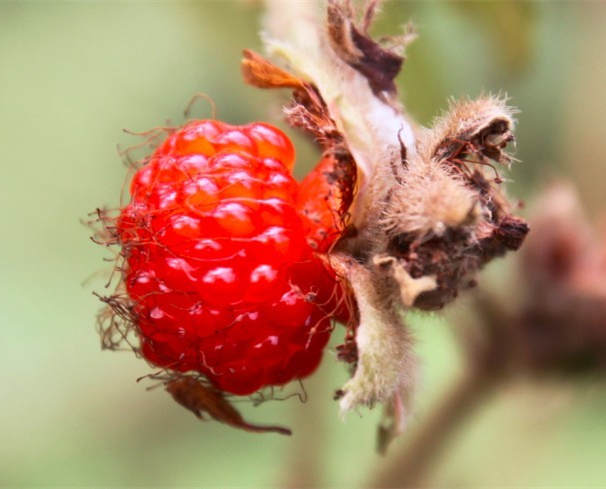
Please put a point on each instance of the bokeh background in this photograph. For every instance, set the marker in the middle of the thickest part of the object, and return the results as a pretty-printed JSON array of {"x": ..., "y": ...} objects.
[{"x": 73, "y": 74}]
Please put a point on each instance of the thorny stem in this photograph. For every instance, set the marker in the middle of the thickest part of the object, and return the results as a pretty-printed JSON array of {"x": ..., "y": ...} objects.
[{"x": 410, "y": 467}]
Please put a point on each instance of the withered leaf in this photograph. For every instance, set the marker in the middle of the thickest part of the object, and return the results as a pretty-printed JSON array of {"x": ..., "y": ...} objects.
[
  {"x": 259, "y": 72},
  {"x": 199, "y": 399},
  {"x": 380, "y": 66}
]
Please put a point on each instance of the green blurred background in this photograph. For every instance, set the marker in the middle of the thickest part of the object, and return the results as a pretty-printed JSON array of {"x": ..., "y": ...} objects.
[{"x": 73, "y": 74}]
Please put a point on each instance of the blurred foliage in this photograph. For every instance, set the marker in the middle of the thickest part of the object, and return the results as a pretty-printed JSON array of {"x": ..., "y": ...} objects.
[
  {"x": 73, "y": 74},
  {"x": 509, "y": 27}
]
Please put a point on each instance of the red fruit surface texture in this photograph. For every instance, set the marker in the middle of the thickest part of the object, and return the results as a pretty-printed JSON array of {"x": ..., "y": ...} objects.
[
  {"x": 217, "y": 265},
  {"x": 319, "y": 202}
]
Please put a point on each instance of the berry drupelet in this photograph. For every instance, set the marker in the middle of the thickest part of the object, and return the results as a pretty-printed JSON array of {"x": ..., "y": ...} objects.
[{"x": 220, "y": 274}]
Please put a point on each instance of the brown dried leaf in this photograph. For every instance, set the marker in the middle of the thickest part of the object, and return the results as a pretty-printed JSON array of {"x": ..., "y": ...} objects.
[
  {"x": 380, "y": 66},
  {"x": 199, "y": 398},
  {"x": 259, "y": 72}
]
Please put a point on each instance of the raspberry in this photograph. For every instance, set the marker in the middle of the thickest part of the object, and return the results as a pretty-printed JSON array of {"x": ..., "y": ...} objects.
[
  {"x": 220, "y": 275},
  {"x": 320, "y": 203}
]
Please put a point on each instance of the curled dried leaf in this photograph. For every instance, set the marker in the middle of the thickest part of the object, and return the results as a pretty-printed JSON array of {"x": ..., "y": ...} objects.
[
  {"x": 202, "y": 399},
  {"x": 261, "y": 73},
  {"x": 353, "y": 45}
]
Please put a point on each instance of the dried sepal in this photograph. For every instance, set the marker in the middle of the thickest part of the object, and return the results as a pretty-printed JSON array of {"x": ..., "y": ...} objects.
[
  {"x": 261, "y": 73},
  {"x": 201, "y": 398},
  {"x": 307, "y": 111},
  {"x": 380, "y": 66}
]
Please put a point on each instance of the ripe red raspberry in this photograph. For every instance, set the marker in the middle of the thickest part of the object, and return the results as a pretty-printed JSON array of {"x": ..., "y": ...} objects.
[
  {"x": 321, "y": 204},
  {"x": 319, "y": 201},
  {"x": 218, "y": 269}
]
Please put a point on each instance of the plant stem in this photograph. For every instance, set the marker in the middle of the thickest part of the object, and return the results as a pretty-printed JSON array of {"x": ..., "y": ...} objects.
[{"x": 410, "y": 467}]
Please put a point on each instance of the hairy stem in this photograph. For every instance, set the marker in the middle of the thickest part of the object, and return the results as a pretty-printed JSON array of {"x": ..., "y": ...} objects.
[{"x": 386, "y": 363}]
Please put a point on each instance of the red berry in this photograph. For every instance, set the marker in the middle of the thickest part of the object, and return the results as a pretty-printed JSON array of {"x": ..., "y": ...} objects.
[
  {"x": 222, "y": 279},
  {"x": 320, "y": 204}
]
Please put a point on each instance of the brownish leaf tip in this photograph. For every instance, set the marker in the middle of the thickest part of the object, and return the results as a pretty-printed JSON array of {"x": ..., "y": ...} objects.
[
  {"x": 199, "y": 398},
  {"x": 259, "y": 72},
  {"x": 380, "y": 66}
]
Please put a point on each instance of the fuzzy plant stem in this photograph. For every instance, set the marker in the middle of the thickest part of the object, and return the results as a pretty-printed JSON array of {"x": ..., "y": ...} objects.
[{"x": 411, "y": 467}]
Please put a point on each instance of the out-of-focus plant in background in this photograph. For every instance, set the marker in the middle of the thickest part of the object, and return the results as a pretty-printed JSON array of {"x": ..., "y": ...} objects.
[{"x": 73, "y": 74}]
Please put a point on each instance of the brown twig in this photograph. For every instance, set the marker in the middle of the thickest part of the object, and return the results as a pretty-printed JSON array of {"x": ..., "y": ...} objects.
[{"x": 410, "y": 467}]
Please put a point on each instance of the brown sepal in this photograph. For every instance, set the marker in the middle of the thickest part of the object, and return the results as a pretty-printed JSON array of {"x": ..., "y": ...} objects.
[
  {"x": 259, "y": 72},
  {"x": 379, "y": 66},
  {"x": 200, "y": 398}
]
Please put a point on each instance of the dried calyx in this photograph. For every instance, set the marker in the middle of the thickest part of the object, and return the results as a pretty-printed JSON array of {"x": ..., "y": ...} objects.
[{"x": 422, "y": 208}]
